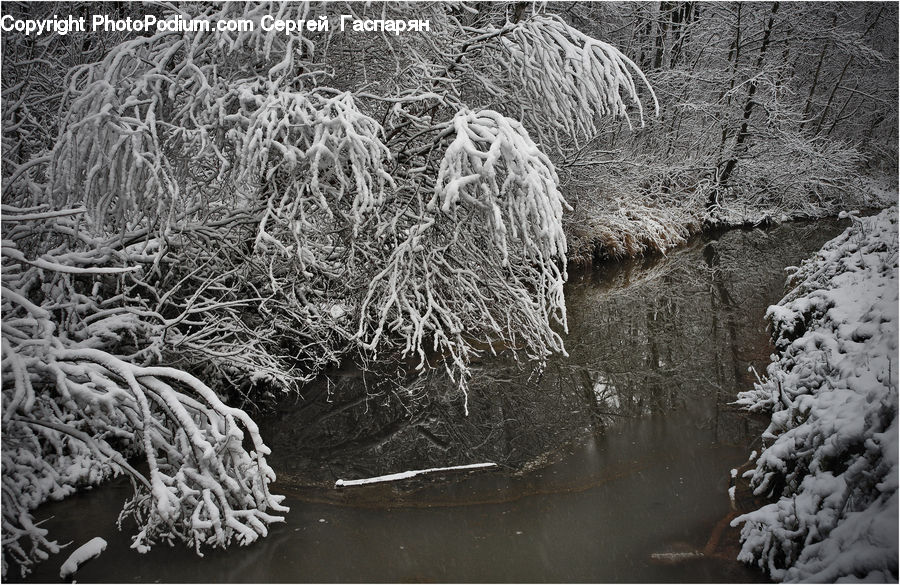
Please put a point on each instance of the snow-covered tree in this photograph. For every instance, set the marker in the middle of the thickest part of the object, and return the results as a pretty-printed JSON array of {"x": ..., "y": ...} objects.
[{"x": 209, "y": 216}]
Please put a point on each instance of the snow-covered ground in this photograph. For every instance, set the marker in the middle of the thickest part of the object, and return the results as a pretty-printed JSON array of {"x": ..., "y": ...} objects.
[{"x": 830, "y": 464}]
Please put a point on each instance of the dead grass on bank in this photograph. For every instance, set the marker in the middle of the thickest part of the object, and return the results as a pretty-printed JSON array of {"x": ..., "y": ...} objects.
[
  {"x": 612, "y": 228},
  {"x": 622, "y": 223}
]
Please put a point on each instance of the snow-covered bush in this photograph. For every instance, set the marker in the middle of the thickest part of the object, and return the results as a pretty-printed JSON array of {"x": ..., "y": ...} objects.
[
  {"x": 831, "y": 463},
  {"x": 334, "y": 186},
  {"x": 82, "y": 394}
]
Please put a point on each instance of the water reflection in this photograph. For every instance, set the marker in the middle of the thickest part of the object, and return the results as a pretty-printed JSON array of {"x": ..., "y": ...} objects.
[
  {"x": 647, "y": 336},
  {"x": 614, "y": 460}
]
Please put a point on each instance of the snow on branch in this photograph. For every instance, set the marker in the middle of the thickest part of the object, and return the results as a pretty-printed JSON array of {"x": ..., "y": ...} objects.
[
  {"x": 89, "y": 550},
  {"x": 492, "y": 165},
  {"x": 408, "y": 474},
  {"x": 483, "y": 256},
  {"x": 313, "y": 152},
  {"x": 137, "y": 117},
  {"x": 173, "y": 136},
  {"x": 565, "y": 80}
]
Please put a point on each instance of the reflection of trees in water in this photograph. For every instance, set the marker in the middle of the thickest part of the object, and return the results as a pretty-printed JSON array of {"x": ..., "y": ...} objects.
[{"x": 647, "y": 336}]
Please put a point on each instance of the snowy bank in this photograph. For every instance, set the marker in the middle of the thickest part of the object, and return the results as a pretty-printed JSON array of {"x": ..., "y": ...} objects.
[
  {"x": 830, "y": 465},
  {"x": 621, "y": 222}
]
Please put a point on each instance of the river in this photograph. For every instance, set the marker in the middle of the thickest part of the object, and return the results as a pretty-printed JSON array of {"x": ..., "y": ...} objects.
[{"x": 612, "y": 463}]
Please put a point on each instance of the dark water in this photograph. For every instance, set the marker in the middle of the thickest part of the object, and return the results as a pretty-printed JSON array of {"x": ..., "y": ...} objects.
[{"x": 613, "y": 463}]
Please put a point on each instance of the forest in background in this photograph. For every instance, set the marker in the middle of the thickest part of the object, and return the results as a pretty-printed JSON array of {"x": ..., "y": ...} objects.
[
  {"x": 769, "y": 111},
  {"x": 193, "y": 220}
]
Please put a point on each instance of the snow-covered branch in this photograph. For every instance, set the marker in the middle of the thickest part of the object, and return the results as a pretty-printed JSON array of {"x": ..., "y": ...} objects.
[
  {"x": 564, "y": 80},
  {"x": 76, "y": 403},
  {"x": 482, "y": 257}
]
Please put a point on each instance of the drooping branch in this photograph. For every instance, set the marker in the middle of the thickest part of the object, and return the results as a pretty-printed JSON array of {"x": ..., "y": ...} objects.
[
  {"x": 565, "y": 80},
  {"x": 76, "y": 402},
  {"x": 494, "y": 216}
]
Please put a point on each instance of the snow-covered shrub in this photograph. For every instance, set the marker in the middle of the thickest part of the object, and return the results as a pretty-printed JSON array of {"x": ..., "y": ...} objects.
[
  {"x": 831, "y": 463},
  {"x": 82, "y": 393}
]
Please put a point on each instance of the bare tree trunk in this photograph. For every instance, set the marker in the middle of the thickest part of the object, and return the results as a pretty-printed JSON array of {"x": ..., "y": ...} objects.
[
  {"x": 748, "y": 105},
  {"x": 815, "y": 81},
  {"x": 834, "y": 89},
  {"x": 734, "y": 55},
  {"x": 665, "y": 12}
]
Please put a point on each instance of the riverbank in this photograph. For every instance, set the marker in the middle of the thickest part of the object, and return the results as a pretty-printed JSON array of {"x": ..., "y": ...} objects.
[
  {"x": 831, "y": 458},
  {"x": 605, "y": 226}
]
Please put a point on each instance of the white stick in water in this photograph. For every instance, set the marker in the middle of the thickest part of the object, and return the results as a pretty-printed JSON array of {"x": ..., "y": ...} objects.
[
  {"x": 408, "y": 474},
  {"x": 87, "y": 551}
]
